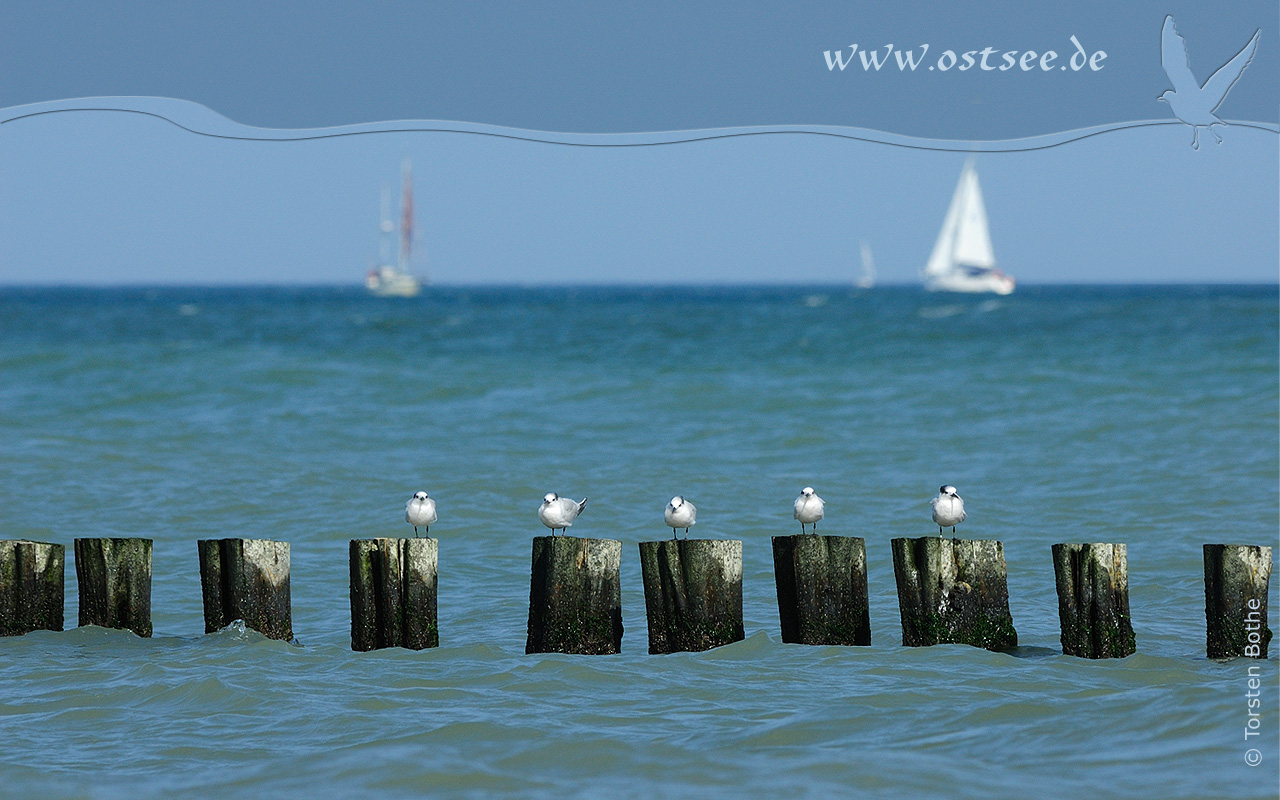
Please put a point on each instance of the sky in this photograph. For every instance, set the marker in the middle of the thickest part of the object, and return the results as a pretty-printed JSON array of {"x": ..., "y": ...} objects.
[{"x": 105, "y": 197}]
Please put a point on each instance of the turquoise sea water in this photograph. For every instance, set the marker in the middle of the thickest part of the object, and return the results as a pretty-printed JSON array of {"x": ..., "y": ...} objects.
[{"x": 1140, "y": 415}]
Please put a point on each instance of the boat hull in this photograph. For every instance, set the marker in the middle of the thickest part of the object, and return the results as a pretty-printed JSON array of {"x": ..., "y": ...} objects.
[
  {"x": 389, "y": 282},
  {"x": 985, "y": 283}
]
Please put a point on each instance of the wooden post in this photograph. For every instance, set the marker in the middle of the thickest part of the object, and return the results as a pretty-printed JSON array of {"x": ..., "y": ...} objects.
[
  {"x": 575, "y": 596},
  {"x": 692, "y": 593},
  {"x": 246, "y": 579},
  {"x": 114, "y": 576},
  {"x": 1236, "y": 581},
  {"x": 953, "y": 591},
  {"x": 1093, "y": 600},
  {"x": 393, "y": 594},
  {"x": 822, "y": 589},
  {"x": 31, "y": 586}
]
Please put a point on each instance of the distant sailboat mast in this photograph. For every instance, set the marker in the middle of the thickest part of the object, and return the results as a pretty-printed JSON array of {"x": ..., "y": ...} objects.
[
  {"x": 868, "y": 278},
  {"x": 386, "y": 227},
  {"x": 406, "y": 215},
  {"x": 387, "y": 279}
]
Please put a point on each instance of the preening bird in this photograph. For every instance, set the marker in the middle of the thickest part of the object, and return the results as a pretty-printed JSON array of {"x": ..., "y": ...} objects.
[
  {"x": 420, "y": 511},
  {"x": 948, "y": 509},
  {"x": 559, "y": 512},
  {"x": 809, "y": 508},
  {"x": 680, "y": 513}
]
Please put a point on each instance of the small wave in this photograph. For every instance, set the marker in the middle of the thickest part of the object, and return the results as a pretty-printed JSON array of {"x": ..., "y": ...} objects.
[{"x": 941, "y": 312}]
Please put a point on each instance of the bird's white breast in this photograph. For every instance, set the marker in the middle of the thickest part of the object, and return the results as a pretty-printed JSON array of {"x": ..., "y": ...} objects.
[
  {"x": 558, "y": 513},
  {"x": 948, "y": 510},
  {"x": 420, "y": 512},
  {"x": 809, "y": 509},
  {"x": 681, "y": 517}
]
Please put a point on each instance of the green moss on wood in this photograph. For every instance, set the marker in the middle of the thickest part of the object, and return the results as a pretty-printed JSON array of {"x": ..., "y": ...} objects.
[
  {"x": 575, "y": 596},
  {"x": 953, "y": 591}
]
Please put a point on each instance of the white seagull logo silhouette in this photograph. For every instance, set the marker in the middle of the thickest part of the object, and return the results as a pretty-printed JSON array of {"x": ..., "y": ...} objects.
[{"x": 1191, "y": 102}]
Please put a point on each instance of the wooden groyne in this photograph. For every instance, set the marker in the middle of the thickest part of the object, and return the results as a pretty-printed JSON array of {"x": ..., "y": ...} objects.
[
  {"x": 692, "y": 593},
  {"x": 1093, "y": 600},
  {"x": 248, "y": 580},
  {"x": 393, "y": 593},
  {"x": 31, "y": 586},
  {"x": 822, "y": 589},
  {"x": 113, "y": 577},
  {"x": 575, "y": 596},
  {"x": 953, "y": 591},
  {"x": 1236, "y": 580},
  {"x": 949, "y": 591}
]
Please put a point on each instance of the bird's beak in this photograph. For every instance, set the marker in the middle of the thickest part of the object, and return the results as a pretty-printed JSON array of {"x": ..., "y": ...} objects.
[{"x": 1161, "y": 99}]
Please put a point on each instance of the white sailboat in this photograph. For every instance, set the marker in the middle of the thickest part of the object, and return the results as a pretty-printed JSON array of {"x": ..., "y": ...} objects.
[
  {"x": 868, "y": 277},
  {"x": 394, "y": 280},
  {"x": 962, "y": 258}
]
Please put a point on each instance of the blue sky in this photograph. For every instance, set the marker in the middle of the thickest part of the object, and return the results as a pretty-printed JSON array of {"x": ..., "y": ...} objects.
[{"x": 104, "y": 198}]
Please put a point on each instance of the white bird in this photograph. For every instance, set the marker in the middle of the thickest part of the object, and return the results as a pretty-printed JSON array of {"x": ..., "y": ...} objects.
[
  {"x": 559, "y": 512},
  {"x": 809, "y": 508},
  {"x": 420, "y": 510},
  {"x": 948, "y": 509},
  {"x": 680, "y": 513}
]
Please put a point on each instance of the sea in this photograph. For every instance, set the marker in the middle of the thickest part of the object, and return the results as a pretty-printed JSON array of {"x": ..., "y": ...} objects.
[{"x": 1144, "y": 415}]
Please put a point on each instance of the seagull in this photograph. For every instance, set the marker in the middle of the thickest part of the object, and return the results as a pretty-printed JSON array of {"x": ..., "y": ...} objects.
[
  {"x": 948, "y": 509},
  {"x": 559, "y": 512},
  {"x": 420, "y": 510},
  {"x": 680, "y": 513},
  {"x": 1191, "y": 102},
  {"x": 809, "y": 508}
]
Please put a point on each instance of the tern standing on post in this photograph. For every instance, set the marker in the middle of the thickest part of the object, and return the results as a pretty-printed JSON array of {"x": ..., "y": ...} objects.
[
  {"x": 809, "y": 508},
  {"x": 559, "y": 512},
  {"x": 948, "y": 509},
  {"x": 680, "y": 513},
  {"x": 420, "y": 510}
]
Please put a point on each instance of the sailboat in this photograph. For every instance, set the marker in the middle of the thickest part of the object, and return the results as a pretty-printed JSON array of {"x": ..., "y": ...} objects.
[
  {"x": 394, "y": 280},
  {"x": 868, "y": 277},
  {"x": 962, "y": 259}
]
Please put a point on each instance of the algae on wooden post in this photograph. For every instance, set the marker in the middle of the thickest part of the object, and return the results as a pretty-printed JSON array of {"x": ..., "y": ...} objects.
[
  {"x": 248, "y": 580},
  {"x": 1093, "y": 600},
  {"x": 575, "y": 596},
  {"x": 114, "y": 579},
  {"x": 1236, "y": 581},
  {"x": 393, "y": 593},
  {"x": 31, "y": 586},
  {"x": 822, "y": 589},
  {"x": 953, "y": 591},
  {"x": 692, "y": 593}
]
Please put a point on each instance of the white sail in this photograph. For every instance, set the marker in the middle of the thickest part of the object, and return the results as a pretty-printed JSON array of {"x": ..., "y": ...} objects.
[
  {"x": 941, "y": 260},
  {"x": 972, "y": 245},
  {"x": 963, "y": 259}
]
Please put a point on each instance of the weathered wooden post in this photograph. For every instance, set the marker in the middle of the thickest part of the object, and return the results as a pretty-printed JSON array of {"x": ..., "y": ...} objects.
[
  {"x": 1093, "y": 600},
  {"x": 953, "y": 591},
  {"x": 1236, "y": 581},
  {"x": 692, "y": 593},
  {"x": 114, "y": 577},
  {"x": 822, "y": 589},
  {"x": 575, "y": 596},
  {"x": 246, "y": 579},
  {"x": 393, "y": 594},
  {"x": 31, "y": 586}
]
